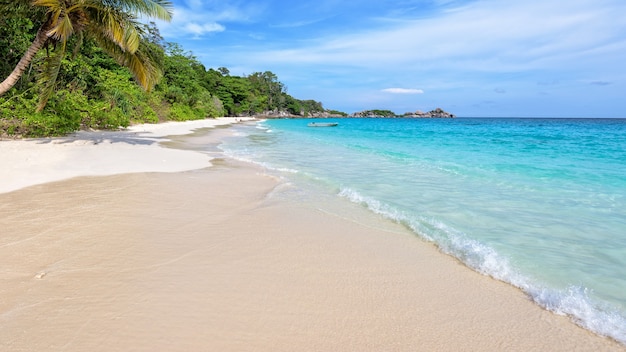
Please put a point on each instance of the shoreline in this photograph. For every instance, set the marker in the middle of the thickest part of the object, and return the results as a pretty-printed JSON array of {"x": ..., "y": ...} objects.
[
  {"x": 135, "y": 149},
  {"x": 210, "y": 258}
]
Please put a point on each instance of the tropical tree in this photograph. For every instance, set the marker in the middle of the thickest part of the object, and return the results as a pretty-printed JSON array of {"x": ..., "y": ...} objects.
[
  {"x": 15, "y": 35},
  {"x": 268, "y": 85},
  {"x": 113, "y": 24}
]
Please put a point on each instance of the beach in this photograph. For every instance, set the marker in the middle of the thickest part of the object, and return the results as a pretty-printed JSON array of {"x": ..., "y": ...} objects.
[{"x": 146, "y": 239}]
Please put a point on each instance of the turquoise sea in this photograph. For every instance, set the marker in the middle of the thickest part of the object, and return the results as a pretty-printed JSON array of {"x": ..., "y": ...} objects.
[{"x": 537, "y": 203}]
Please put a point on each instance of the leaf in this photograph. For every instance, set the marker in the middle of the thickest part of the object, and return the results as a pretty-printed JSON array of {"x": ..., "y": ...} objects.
[{"x": 49, "y": 75}]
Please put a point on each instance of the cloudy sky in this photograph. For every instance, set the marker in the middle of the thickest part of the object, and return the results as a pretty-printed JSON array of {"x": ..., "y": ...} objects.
[{"x": 518, "y": 58}]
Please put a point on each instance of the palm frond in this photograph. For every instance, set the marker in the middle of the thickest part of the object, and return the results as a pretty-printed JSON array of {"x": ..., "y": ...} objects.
[
  {"x": 114, "y": 24},
  {"x": 131, "y": 37},
  {"x": 161, "y": 9},
  {"x": 118, "y": 26},
  {"x": 78, "y": 45},
  {"x": 146, "y": 73},
  {"x": 51, "y": 4},
  {"x": 63, "y": 29},
  {"x": 48, "y": 77}
]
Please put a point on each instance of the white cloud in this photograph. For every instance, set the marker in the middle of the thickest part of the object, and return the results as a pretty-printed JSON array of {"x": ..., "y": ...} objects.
[
  {"x": 402, "y": 91},
  {"x": 198, "y": 18},
  {"x": 460, "y": 54},
  {"x": 486, "y": 35},
  {"x": 200, "y": 29}
]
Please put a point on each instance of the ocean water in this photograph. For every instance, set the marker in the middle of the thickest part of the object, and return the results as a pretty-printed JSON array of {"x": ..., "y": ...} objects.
[{"x": 537, "y": 203}]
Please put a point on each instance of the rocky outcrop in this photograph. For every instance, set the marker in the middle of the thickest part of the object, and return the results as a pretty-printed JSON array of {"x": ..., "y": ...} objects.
[
  {"x": 437, "y": 113},
  {"x": 324, "y": 114},
  {"x": 374, "y": 113},
  {"x": 282, "y": 114}
]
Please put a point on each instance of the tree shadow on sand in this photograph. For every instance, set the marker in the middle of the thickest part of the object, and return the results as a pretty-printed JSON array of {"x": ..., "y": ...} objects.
[{"x": 109, "y": 137}]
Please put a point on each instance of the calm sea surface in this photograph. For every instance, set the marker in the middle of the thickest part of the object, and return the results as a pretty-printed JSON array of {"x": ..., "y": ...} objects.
[{"x": 537, "y": 203}]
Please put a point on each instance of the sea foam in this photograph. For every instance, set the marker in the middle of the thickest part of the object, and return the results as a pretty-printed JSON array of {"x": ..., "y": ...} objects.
[
  {"x": 516, "y": 199},
  {"x": 573, "y": 302}
]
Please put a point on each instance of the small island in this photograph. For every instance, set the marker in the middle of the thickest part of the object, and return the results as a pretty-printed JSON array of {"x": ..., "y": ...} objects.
[{"x": 436, "y": 113}]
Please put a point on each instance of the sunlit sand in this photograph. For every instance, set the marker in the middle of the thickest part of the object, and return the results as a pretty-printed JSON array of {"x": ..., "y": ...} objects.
[{"x": 115, "y": 243}]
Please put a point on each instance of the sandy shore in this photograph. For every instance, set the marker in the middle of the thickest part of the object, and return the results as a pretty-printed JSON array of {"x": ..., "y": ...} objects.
[
  {"x": 136, "y": 149},
  {"x": 153, "y": 250}
]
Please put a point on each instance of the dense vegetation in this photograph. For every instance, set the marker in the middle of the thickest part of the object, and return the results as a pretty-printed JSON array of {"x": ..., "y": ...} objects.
[
  {"x": 92, "y": 90},
  {"x": 376, "y": 113}
]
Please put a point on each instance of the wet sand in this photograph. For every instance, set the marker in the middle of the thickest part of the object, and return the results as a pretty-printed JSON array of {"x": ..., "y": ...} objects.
[{"x": 214, "y": 259}]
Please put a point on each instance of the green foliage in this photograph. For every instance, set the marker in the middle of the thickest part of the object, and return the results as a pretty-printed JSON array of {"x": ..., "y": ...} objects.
[
  {"x": 378, "y": 113},
  {"x": 337, "y": 113},
  {"x": 92, "y": 90},
  {"x": 311, "y": 106},
  {"x": 266, "y": 85},
  {"x": 120, "y": 96},
  {"x": 17, "y": 31},
  {"x": 17, "y": 118},
  {"x": 181, "y": 112},
  {"x": 112, "y": 24}
]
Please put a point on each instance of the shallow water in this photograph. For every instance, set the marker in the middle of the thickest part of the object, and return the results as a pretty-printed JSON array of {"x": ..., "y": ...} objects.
[{"x": 538, "y": 203}]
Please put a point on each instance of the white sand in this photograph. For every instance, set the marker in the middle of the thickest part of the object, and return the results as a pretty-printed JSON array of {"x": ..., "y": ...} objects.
[
  {"x": 214, "y": 260},
  {"x": 35, "y": 161}
]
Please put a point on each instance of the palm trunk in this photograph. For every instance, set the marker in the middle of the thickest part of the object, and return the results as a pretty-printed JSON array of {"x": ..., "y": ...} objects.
[{"x": 40, "y": 40}]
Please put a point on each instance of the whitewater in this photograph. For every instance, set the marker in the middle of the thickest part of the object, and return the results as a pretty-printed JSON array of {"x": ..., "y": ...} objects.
[{"x": 537, "y": 203}]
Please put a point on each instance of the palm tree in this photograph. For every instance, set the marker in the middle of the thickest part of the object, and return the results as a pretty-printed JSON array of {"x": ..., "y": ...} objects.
[{"x": 112, "y": 24}]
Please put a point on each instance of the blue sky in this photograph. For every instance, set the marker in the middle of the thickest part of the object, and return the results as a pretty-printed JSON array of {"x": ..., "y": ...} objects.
[{"x": 520, "y": 58}]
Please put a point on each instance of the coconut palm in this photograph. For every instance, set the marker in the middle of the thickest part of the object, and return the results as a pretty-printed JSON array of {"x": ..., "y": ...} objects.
[{"x": 113, "y": 24}]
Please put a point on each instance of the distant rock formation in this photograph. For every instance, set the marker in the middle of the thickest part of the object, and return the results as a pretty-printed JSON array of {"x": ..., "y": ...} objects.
[
  {"x": 437, "y": 113},
  {"x": 283, "y": 114},
  {"x": 374, "y": 113},
  {"x": 325, "y": 114}
]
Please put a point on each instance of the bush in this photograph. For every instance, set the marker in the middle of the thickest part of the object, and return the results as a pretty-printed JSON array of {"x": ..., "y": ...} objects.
[
  {"x": 181, "y": 112},
  {"x": 19, "y": 119}
]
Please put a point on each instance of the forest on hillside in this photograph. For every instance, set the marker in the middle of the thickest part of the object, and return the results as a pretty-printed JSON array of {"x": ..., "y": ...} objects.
[{"x": 81, "y": 81}]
